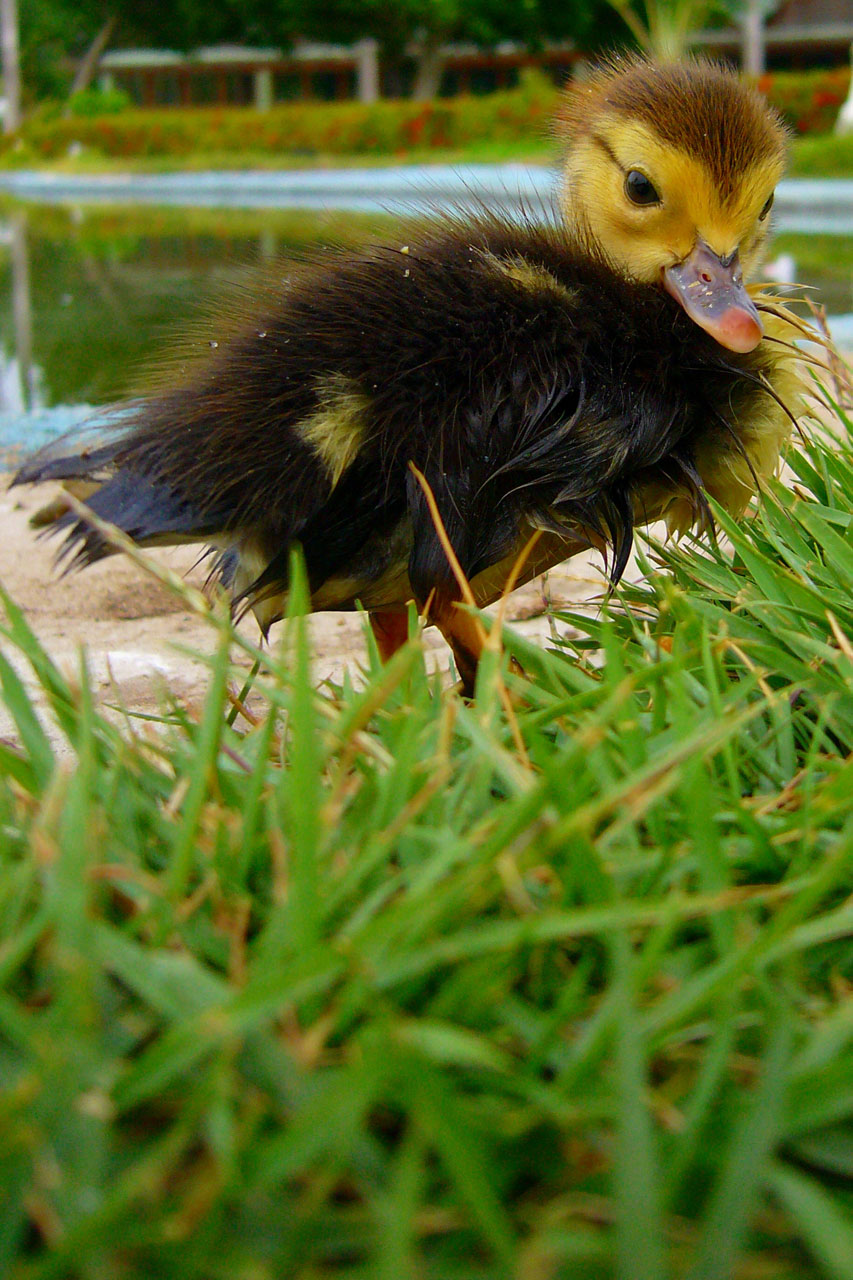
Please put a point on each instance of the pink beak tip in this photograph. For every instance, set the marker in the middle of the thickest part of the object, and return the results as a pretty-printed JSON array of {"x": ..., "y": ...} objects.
[
  {"x": 712, "y": 292},
  {"x": 737, "y": 329}
]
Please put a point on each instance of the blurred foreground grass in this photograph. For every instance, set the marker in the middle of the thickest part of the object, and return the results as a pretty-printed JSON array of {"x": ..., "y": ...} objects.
[{"x": 379, "y": 984}]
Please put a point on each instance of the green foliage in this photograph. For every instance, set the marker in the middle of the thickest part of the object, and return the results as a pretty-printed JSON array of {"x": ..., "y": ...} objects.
[
  {"x": 98, "y": 102},
  {"x": 184, "y": 24},
  {"x": 485, "y": 22},
  {"x": 663, "y": 27},
  {"x": 375, "y": 983}
]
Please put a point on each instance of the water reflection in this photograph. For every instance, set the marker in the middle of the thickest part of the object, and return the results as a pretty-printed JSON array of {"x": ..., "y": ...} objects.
[
  {"x": 89, "y": 299},
  {"x": 20, "y": 380}
]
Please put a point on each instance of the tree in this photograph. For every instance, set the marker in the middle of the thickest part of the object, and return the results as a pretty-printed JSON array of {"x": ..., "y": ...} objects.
[
  {"x": 429, "y": 24},
  {"x": 664, "y": 29},
  {"x": 55, "y": 31},
  {"x": 88, "y": 64}
]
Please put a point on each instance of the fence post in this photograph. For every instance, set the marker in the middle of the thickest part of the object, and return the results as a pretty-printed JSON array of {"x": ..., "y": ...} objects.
[
  {"x": 263, "y": 88},
  {"x": 752, "y": 42}
]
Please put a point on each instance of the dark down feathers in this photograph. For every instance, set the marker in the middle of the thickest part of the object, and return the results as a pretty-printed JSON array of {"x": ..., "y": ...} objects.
[{"x": 524, "y": 379}]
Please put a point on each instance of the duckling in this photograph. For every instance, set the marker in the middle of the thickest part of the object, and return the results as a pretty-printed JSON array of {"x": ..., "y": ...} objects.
[{"x": 483, "y": 380}]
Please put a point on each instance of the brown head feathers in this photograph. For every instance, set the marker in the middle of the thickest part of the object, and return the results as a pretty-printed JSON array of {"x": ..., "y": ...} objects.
[{"x": 697, "y": 106}]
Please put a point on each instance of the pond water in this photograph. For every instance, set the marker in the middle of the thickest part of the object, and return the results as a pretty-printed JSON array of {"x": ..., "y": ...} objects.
[{"x": 91, "y": 297}]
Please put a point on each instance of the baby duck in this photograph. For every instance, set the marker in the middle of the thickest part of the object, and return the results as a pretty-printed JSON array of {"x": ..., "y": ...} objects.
[{"x": 486, "y": 380}]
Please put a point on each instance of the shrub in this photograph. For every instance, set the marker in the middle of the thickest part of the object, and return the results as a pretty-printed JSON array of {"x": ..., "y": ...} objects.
[
  {"x": 299, "y": 128},
  {"x": 808, "y": 100},
  {"x": 99, "y": 102}
]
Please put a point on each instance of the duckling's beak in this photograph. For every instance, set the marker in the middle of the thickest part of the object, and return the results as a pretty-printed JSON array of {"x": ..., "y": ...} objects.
[{"x": 712, "y": 292}]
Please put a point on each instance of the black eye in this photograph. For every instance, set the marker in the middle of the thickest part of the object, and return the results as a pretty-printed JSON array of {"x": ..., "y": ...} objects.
[
  {"x": 768, "y": 205},
  {"x": 639, "y": 190}
]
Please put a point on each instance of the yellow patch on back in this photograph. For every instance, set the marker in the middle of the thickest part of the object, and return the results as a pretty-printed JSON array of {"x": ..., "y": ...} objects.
[
  {"x": 336, "y": 430},
  {"x": 532, "y": 276}
]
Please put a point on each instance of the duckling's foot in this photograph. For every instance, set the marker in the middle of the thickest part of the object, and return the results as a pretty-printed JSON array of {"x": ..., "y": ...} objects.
[
  {"x": 391, "y": 630},
  {"x": 465, "y": 687},
  {"x": 467, "y": 638},
  {"x": 462, "y": 631}
]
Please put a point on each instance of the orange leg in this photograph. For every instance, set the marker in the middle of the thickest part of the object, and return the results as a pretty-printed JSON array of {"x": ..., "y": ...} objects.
[
  {"x": 466, "y": 638},
  {"x": 391, "y": 629},
  {"x": 463, "y": 633}
]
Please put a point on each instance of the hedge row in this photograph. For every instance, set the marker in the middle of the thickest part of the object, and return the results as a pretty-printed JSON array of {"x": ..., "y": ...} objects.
[
  {"x": 809, "y": 101},
  {"x": 302, "y": 128}
]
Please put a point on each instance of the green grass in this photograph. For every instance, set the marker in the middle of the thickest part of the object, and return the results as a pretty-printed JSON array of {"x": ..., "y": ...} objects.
[
  {"x": 827, "y": 257},
  {"x": 821, "y": 156},
  {"x": 535, "y": 150},
  {"x": 380, "y": 984}
]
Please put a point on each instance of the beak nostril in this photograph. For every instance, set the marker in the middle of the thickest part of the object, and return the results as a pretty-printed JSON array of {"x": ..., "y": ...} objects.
[{"x": 712, "y": 293}]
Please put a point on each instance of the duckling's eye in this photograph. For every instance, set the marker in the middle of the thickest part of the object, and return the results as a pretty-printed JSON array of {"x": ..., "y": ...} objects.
[
  {"x": 768, "y": 205},
  {"x": 639, "y": 190}
]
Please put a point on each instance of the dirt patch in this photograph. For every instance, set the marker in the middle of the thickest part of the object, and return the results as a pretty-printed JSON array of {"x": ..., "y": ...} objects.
[{"x": 136, "y": 634}]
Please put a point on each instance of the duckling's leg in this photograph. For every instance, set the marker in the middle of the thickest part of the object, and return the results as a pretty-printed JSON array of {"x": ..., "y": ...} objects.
[
  {"x": 391, "y": 629},
  {"x": 465, "y": 635}
]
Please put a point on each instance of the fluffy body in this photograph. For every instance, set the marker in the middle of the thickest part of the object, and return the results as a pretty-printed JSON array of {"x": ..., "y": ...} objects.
[{"x": 531, "y": 385}]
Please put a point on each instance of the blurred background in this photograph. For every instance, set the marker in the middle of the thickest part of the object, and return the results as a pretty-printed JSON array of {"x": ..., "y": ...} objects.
[{"x": 152, "y": 153}]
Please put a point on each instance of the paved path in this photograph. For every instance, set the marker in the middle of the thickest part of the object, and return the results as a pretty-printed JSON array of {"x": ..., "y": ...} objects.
[
  {"x": 802, "y": 204},
  {"x": 397, "y": 189}
]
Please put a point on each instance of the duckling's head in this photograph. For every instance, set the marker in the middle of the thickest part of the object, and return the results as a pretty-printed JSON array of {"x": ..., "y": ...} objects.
[{"x": 669, "y": 174}]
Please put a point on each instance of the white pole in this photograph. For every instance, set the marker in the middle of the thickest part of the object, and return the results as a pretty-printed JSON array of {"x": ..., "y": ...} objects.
[
  {"x": 21, "y": 308},
  {"x": 11, "y": 65},
  {"x": 844, "y": 123},
  {"x": 752, "y": 26}
]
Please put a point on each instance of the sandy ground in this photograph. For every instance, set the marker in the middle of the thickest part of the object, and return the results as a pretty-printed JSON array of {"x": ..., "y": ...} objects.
[{"x": 133, "y": 629}]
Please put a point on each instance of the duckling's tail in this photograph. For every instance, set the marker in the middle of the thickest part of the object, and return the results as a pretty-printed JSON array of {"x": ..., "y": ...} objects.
[
  {"x": 81, "y": 455},
  {"x": 147, "y": 510}
]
